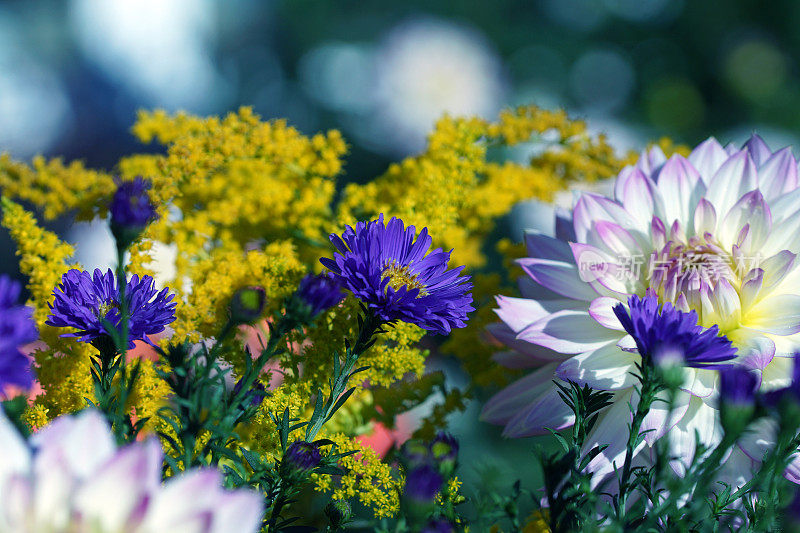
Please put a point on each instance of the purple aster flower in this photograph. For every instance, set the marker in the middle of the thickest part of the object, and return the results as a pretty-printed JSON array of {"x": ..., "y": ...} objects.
[
  {"x": 386, "y": 268},
  {"x": 82, "y": 301},
  {"x": 302, "y": 456},
  {"x": 320, "y": 292},
  {"x": 131, "y": 206},
  {"x": 423, "y": 483},
  {"x": 661, "y": 333},
  {"x": 16, "y": 328}
]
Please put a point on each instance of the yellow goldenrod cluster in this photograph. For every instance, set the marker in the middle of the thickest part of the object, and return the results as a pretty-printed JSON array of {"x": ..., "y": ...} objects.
[
  {"x": 367, "y": 478},
  {"x": 450, "y": 494},
  {"x": 55, "y": 187}
]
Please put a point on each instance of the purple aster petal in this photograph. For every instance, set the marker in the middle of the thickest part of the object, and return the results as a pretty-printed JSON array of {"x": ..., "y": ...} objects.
[
  {"x": 375, "y": 258},
  {"x": 82, "y": 301}
]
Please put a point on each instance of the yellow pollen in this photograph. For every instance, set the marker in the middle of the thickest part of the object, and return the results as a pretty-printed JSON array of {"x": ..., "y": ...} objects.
[
  {"x": 104, "y": 308},
  {"x": 400, "y": 276}
]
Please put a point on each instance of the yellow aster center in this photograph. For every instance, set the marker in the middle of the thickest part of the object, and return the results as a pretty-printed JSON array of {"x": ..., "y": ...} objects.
[
  {"x": 400, "y": 276},
  {"x": 104, "y": 308}
]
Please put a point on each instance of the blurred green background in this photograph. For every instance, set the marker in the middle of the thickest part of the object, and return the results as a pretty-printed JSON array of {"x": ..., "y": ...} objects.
[{"x": 73, "y": 73}]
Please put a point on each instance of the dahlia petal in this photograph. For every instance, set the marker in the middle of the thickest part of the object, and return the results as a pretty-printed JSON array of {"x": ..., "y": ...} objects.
[
  {"x": 568, "y": 332},
  {"x": 705, "y": 218},
  {"x": 52, "y": 490},
  {"x": 15, "y": 457},
  {"x": 736, "y": 471},
  {"x": 681, "y": 188},
  {"x": 786, "y": 205},
  {"x": 519, "y": 313},
  {"x": 83, "y": 440},
  {"x": 565, "y": 227},
  {"x": 750, "y": 209},
  {"x": 606, "y": 274},
  {"x": 756, "y": 353},
  {"x": 558, "y": 276},
  {"x": 602, "y": 310},
  {"x": 751, "y": 287},
  {"x": 655, "y": 424},
  {"x": 707, "y": 158},
  {"x": 238, "y": 511},
  {"x": 777, "y": 267},
  {"x": 528, "y": 288},
  {"x": 785, "y": 235},
  {"x": 699, "y": 382},
  {"x": 778, "y": 373},
  {"x": 507, "y": 336},
  {"x": 606, "y": 368},
  {"x": 779, "y": 315},
  {"x": 734, "y": 178},
  {"x": 640, "y": 197},
  {"x": 544, "y": 247},
  {"x": 651, "y": 160},
  {"x": 520, "y": 360},
  {"x": 591, "y": 208},
  {"x": 523, "y": 392},
  {"x": 187, "y": 499},
  {"x": 700, "y": 420},
  {"x": 758, "y": 149},
  {"x": 548, "y": 412},
  {"x": 614, "y": 239},
  {"x": 720, "y": 305},
  {"x": 759, "y": 439},
  {"x": 112, "y": 494},
  {"x": 778, "y": 174}
]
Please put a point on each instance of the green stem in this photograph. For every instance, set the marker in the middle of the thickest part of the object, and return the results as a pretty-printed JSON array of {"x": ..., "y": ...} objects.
[{"x": 649, "y": 388}]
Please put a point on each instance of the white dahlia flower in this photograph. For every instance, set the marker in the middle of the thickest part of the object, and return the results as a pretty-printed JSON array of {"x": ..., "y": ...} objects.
[
  {"x": 71, "y": 478},
  {"x": 718, "y": 233}
]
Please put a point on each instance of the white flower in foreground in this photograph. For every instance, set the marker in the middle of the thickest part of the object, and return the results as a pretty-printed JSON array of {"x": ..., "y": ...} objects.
[
  {"x": 71, "y": 478},
  {"x": 718, "y": 233}
]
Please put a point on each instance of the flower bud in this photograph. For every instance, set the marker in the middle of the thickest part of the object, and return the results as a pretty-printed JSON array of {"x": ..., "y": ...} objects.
[
  {"x": 255, "y": 395},
  {"x": 444, "y": 449},
  {"x": 737, "y": 398},
  {"x": 301, "y": 457},
  {"x": 414, "y": 453},
  {"x": 247, "y": 305},
  {"x": 131, "y": 210},
  {"x": 320, "y": 292},
  {"x": 338, "y": 512}
]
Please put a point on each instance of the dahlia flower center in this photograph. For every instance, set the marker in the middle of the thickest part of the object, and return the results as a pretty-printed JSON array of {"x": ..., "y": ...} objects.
[
  {"x": 401, "y": 275},
  {"x": 686, "y": 268}
]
